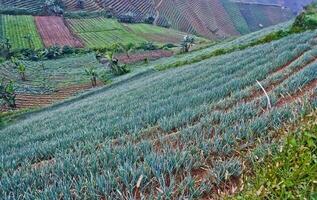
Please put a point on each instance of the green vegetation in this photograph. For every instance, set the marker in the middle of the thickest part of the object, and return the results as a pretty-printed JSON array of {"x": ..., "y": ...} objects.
[
  {"x": 290, "y": 173},
  {"x": 306, "y": 20},
  {"x": 171, "y": 134},
  {"x": 16, "y": 28},
  {"x": 103, "y": 32},
  {"x": 49, "y": 75},
  {"x": 7, "y": 93}
]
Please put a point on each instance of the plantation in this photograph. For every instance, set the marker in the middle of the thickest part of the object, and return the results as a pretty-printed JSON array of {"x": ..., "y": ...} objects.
[
  {"x": 21, "y": 31},
  {"x": 96, "y": 102},
  {"x": 171, "y": 134},
  {"x": 52, "y": 80},
  {"x": 102, "y": 32}
]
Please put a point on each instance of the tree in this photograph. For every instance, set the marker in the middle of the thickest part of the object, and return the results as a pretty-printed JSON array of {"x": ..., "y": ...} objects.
[
  {"x": 187, "y": 43},
  {"x": 114, "y": 64},
  {"x": 80, "y": 4},
  {"x": 20, "y": 67},
  {"x": 128, "y": 17},
  {"x": 21, "y": 70},
  {"x": 93, "y": 75},
  {"x": 7, "y": 93},
  {"x": 127, "y": 48}
]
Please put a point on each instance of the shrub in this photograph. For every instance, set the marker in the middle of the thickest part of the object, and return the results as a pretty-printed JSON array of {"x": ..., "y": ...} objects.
[
  {"x": 147, "y": 46},
  {"x": 53, "y": 52},
  {"x": 307, "y": 20},
  {"x": 128, "y": 17}
]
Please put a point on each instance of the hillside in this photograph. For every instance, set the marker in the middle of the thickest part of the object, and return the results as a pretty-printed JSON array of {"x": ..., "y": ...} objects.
[
  {"x": 168, "y": 133},
  {"x": 97, "y": 32},
  {"x": 214, "y": 19}
]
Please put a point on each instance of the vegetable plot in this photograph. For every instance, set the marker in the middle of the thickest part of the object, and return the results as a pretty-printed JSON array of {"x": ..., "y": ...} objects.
[
  {"x": 21, "y": 31},
  {"x": 54, "y": 32}
]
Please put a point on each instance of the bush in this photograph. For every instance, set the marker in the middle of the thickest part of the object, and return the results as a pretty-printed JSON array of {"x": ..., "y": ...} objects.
[
  {"x": 306, "y": 20},
  {"x": 147, "y": 46},
  {"x": 128, "y": 17}
]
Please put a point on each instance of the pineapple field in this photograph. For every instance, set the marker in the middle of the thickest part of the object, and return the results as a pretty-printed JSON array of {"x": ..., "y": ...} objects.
[{"x": 164, "y": 100}]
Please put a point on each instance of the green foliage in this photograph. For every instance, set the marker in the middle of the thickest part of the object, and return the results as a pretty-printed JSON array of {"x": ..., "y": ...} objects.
[
  {"x": 147, "y": 46},
  {"x": 7, "y": 93},
  {"x": 307, "y": 20},
  {"x": 21, "y": 31},
  {"x": 291, "y": 172},
  {"x": 187, "y": 43},
  {"x": 91, "y": 72},
  {"x": 53, "y": 52}
]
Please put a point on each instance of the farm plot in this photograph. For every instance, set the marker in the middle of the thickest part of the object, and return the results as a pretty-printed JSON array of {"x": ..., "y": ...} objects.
[
  {"x": 21, "y": 31},
  {"x": 159, "y": 135},
  {"x": 143, "y": 55},
  {"x": 50, "y": 81},
  {"x": 54, "y": 32},
  {"x": 101, "y": 32},
  {"x": 155, "y": 33}
]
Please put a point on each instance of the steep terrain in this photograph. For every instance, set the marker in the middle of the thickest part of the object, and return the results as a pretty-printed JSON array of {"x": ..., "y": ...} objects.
[
  {"x": 179, "y": 133},
  {"x": 213, "y": 19}
]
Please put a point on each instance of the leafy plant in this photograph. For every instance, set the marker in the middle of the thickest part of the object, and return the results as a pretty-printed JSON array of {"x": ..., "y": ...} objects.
[
  {"x": 91, "y": 72},
  {"x": 7, "y": 93},
  {"x": 127, "y": 48},
  {"x": 187, "y": 43}
]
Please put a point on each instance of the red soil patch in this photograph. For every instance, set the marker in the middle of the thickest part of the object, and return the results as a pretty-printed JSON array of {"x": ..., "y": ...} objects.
[
  {"x": 54, "y": 31},
  {"x": 141, "y": 56},
  {"x": 30, "y": 100}
]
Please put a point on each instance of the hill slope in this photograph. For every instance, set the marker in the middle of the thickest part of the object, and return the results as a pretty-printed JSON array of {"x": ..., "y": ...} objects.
[
  {"x": 209, "y": 18},
  {"x": 181, "y": 131}
]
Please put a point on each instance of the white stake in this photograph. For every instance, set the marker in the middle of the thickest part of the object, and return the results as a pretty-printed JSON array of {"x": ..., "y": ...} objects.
[{"x": 267, "y": 96}]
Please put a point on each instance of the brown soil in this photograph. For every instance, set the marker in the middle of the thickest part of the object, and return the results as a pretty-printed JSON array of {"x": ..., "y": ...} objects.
[
  {"x": 141, "y": 56},
  {"x": 30, "y": 100},
  {"x": 53, "y": 31}
]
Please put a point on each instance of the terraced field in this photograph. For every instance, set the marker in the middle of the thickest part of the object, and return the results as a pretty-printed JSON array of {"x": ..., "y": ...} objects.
[
  {"x": 174, "y": 134},
  {"x": 51, "y": 81},
  {"x": 17, "y": 27},
  {"x": 22, "y": 5},
  {"x": 101, "y": 32},
  {"x": 53, "y": 31}
]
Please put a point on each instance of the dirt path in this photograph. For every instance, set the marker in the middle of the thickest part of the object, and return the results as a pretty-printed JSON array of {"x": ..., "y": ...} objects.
[{"x": 157, "y": 12}]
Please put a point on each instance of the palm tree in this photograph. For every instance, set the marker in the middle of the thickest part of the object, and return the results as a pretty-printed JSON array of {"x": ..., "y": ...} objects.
[{"x": 127, "y": 48}]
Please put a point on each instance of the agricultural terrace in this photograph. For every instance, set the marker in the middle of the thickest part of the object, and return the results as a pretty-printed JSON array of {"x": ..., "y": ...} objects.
[
  {"x": 54, "y": 32},
  {"x": 102, "y": 32},
  {"x": 172, "y": 134},
  {"x": 21, "y": 31},
  {"x": 30, "y": 6},
  {"x": 52, "y": 80}
]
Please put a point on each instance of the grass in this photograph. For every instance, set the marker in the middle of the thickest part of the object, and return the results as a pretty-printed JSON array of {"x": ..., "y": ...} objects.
[
  {"x": 156, "y": 131},
  {"x": 15, "y": 28},
  {"x": 290, "y": 173}
]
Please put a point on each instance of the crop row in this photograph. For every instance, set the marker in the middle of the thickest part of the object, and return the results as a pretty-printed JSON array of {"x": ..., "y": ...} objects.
[
  {"x": 21, "y": 31},
  {"x": 52, "y": 74},
  {"x": 89, "y": 146}
]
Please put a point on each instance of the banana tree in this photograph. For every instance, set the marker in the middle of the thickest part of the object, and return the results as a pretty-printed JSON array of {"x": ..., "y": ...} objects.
[
  {"x": 91, "y": 72},
  {"x": 7, "y": 93}
]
